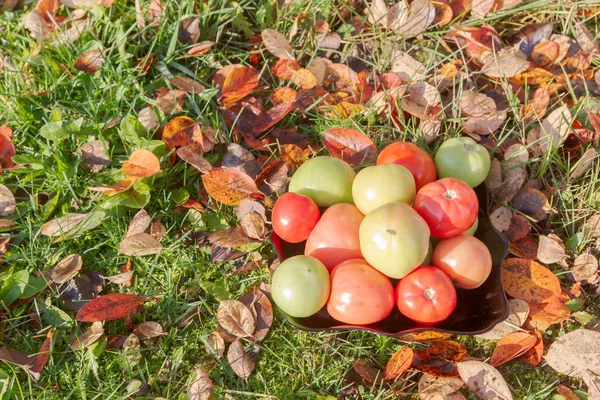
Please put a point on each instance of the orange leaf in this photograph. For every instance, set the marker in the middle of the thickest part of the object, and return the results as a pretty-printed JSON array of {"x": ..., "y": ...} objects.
[
  {"x": 283, "y": 95},
  {"x": 284, "y": 69},
  {"x": 512, "y": 346},
  {"x": 89, "y": 62},
  {"x": 340, "y": 78},
  {"x": 552, "y": 311},
  {"x": 7, "y": 149},
  {"x": 528, "y": 280},
  {"x": 524, "y": 248},
  {"x": 230, "y": 186},
  {"x": 447, "y": 349},
  {"x": 533, "y": 76},
  {"x": 545, "y": 53},
  {"x": 536, "y": 106},
  {"x": 398, "y": 363},
  {"x": 181, "y": 131},
  {"x": 435, "y": 366},
  {"x": 533, "y": 356},
  {"x": 304, "y": 78},
  {"x": 238, "y": 84},
  {"x": 349, "y": 145},
  {"x": 43, "y": 353},
  {"x": 425, "y": 336},
  {"x": 122, "y": 186},
  {"x": 292, "y": 154},
  {"x": 567, "y": 393},
  {"x": 200, "y": 48},
  {"x": 595, "y": 121},
  {"x": 142, "y": 163}
]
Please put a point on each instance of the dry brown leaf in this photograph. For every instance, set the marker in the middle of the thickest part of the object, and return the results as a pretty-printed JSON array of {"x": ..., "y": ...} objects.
[
  {"x": 485, "y": 124},
  {"x": 536, "y": 106},
  {"x": 215, "y": 344},
  {"x": 124, "y": 278},
  {"x": 532, "y": 202},
  {"x": 421, "y": 99},
  {"x": 201, "y": 387},
  {"x": 247, "y": 206},
  {"x": 328, "y": 40},
  {"x": 235, "y": 318},
  {"x": 232, "y": 237},
  {"x": 62, "y": 225},
  {"x": 237, "y": 157},
  {"x": 575, "y": 353},
  {"x": 567, "y": 393},
  {"x": 259, "y": 305},
  {"x": 94, "y": 155},
  {"x": 584, "y": 163},
  {"x": 241, "y": 363},
  {"x": 66, "y": 269},
  {"x": 518, "y": 311},
  {"x": 501, "y": 218},
  {"x": 530, "y": 281},
  {"x": 8, "y": 204},
  {"x": 229, "y": 186},
  {"x": 189, "y": 30},
  {"x": 506, "y": 63},
  {"x": 158, "y": 230},
  {"x": 494, "y": 178},
  {"x": 512, "y": 346},
  {"x": 21, "y": 359},
  {"x": 480, "y": 8},
  {"x": 277, "y": 44},
  {"x": 253, "y": 226},
  {"x": 484, "y": 380},
  {"x": 377, "y": 13},
  {"x": 89, "y": 62},
  {"x": 397, "y": 15},
  {"x": 139, "y": 223},
  {"x": 148, "y": 118},
  {"x": 555, "y": 128},
  {"x": 142, "y": 244},
  {"x": 431, "y": 386},
  {"x": 141, "y": 163},
  {"x": 186, "y": 84},
  {"x": 513, "y": 172},
  {"x": 170, "y": 101},
  {"x": 201, "y": 48},
  {"x": 586, "y": 39},
  {"x": 37, "y": 27},
  {"x": 406, "y": 67},
  {"x": 340, "y": 78},
  {"x": 151, "y": 329},
  {"x": 584, "y": 269},
  {"x": 420, "y": 17},
  {"x": 398, "y": 363},
  {"x": 119, "y": 187},
  {"x": 551, "y": 249},
  {"x": 191, "y": 155},
  {"x": 88, "y": 337}
]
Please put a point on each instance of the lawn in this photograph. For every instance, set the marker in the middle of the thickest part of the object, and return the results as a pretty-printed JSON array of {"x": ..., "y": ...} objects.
[{"x": 84, "y": 87}]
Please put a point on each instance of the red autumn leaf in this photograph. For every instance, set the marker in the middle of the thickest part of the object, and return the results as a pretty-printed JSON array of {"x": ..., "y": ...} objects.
[
  {"x": 200, "y": 48},
  {"x": 447, "y": 349},
  {"x": 230, "y": 186},
  {"x": 349, "y": 145},
  {"x": 528, "y": 280},
  {"x": 43, "y": 353},
  {"x": 595, "y": 121},
  {"x": 512, "y": 346},
  {"x": 398, "y": 363},
  {"x": 476, "y": 41},
  {"x": 524, "y": 248},
  {"x": 7, "y": 149},
  {"x": 533, "y": 356},
  {"x": 435, "y": 366},
  {"x": 109, "y": 307},
  {"x": 271, "y": 117},
  {"x": 238, "y": 84},
  {"x": 284, "y": 69}
]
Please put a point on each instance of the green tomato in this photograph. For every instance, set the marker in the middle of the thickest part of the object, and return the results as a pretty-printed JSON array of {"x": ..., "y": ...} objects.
[
  {"x": 326, "y": 180},
  {"x": 301, "y": 286},
  {"x": 464, "y": 159},
  {"x": 382, "y": 184},
  {"x": 394, "y": 239},
  {"x": 429, "y": 257},
  {"x": 471, "y": 231}
]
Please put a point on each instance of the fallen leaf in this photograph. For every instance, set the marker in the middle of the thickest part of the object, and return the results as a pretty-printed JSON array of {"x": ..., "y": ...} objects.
[
  {"x": 187, "y": 85},
  {"x": 406, "y": 67},
  {"x": 189, "y": 30},
  {"x": 304, "y": 79},
  {"x": 484, "y": 380},
  {"x": 592, "y": 380},
  {"x": 519, "y": 228},
  {"x": 232, "y": 237},
  {"x": 524, "y": 248},
  {"x": 420, "y": 17},
  {"x": 527, "y": 280},
  {"x": 239, "y": 83},
  {"x": 551, "y": 249},
  {"x": 532, "y": 202},
  {"x": 340, "y": 78},
  {"x": 430, "y": 385},
  {"x": 421, "y": 100},
  {"x": 94, "y": 155},
  {"x": 551, "y": 311},
  {"x": 235, "y": 318},
  {"x": 494, "y": 179},
  {"x": 253, "y": 226},
  {"x": 139, "y": 223},
  {"x": 158, "y": 230},
  {"x": 215, "y": 344},
  {"x": 368, "y": 373},
  {"x": 119, "y": 187},
  {"x": 397, "y": 15},
  {"x": 89, "y": 62},
  {"x": 262, "y": 311},
  {"x": 545, "y": 53},
  {"x": 584, "y": 163},
  {"x": 43, "y": 354},
  {"x": 141, "y": 244},
  {"x": 435, "y": 366},
  {"x": 282, "y": 95},
  {"x": 62, "y": 225},
  {"x": 506, "y": 63},
  {"x": 191, "y": 155},
  {"x": 170, "y": 101},
  {"x": 21, "y": 359},
  {"x": 575, "y": 353},
  {"x": 141, "y": 163},
  {"x": 124, "y": 278},
  {"x": 328, "y": 40},
  {"x": 201, "y": 387},
  {"x": 248, "y": 206},
  {"x": 229, "y": 186},
  {"x": 398, "y": 363},
  {"x": 534, "y": 355},
  {"x": 83, "y": 288},
  {"x": 66, "y": 269},
  {"x": 377, "y": 13},
  {"x": 239, "y": 360},
  {"x": 555, "y": 128},
  {"x": 512, "y": 346},
  {"x": 151, "y": 329},
  {"x": 586, "y": 39},
  {"x": 237, "y": 157},
  {"x": 443, "y": 13},
  {"x": 480, "y": 8},
  {"x": 283, "y": 69},
  {"x": 8, "y": 204},
  {"x": 567, "y": 393},
  {"x": 584, "y": 269},
  {"x": 88, "y": 337},
  {"x": 447, "y": 349},
  {"x": 7, "y": 151},
  {"x": 537, "y": 104},
  {"x": 349, "y": 145},
  {"x": 501, "y": 218},
  {"x": 518, "y": 311},
  {"x": 131, "y": 349},
  {"x": 201, "y": 48},
  {"x": 277, "y": 44},
  {"x": 109, "y": 307},
  {"x": 182, "y": 131},
  {"x": 37, "y": 27}
]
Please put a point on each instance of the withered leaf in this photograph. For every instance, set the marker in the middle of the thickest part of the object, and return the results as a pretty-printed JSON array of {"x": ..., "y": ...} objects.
[
  {"x": 215, "y": 344},
  {"x": 151, "y": 329},
  {"x": 551, "y": 311},
  {"x": 518, "y": 311},
  {"x": 524, "y": 248},
  {"x": 62, "y": 225},
  {"x": 551, "y": 249},
  {"x": 512, "y": 346},
  {"x": 182, "y": 131},
  {"x": 430, "y": 385},
  {"x": 186, "y": 84},
  {"x": 575, "y": 353},
  {"x": 584, "y": 269},
  {"x": 506, "y": 63},
  {"x": 239, "y": 83},
  {"x": 349, "y": 145},
  {"x": 89, "y": 62},
  {"x": 527, "y": 280},
  {"x": 201, "y": 387},
  {"x": 229, "y": 186},
  {"x": 192, "y": 156},
  {"x": 131, "y": 349},
  {"x": 237, "y": 157},
  {"x": 584, "y": 163},
  {"x": 231, "y": 237},
  {"x": 235, "y": 318},
  {"x": 66, "y": 269},
  {"x": 277, "y": 44},
  {"x": 189, "y": 30},
  {"x": 170, "y": 101},
  {"x": 141, "y": 244},
  {"x": 435, "y": 366},
  {"x": 398, "y": 363},
  {"x": 447, "y": 349},
  {"x": 139, "y": 223},
  {"x": 420, "y": 17},
  {"x": 21, "y": 359},
  {"x": 369, "y": 373},
  {"x": 158, "y": 230},
  {"x": 501, "y": 218},
  {"x": 532, "y": 202},
  {"x": 534, "y": 355},
  {"x": 241, "y": 363},
  {"x": 88, "y": 337},
  {"x": 480, "y": 8},
  {"x": 253, "y": 226},
  {"x": 519, "y": 228},
  {"x": 8, "y": 204},
  {"x": 259, "y": 305},
  {"x": 555, "y": 128},
  {"x": 200, "y": 48},
  {"x": 124, "y": 278},
  {"x": 248, "y": 206},
  {"x": 148, "y": 118},
  {"x": 484, "y": 380},
  {"x": 94, "y": 155}
]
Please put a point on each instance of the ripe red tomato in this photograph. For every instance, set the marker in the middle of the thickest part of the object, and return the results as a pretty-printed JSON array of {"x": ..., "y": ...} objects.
[
  {"x": 412, "y": 157},
  {"x": 360, "y": 294},
  {"x": 426, "y": 295},
  {"x": 465, "y": 259},
  {"x": 449, "y": 207},
  {"x": 294, "y": 217}
]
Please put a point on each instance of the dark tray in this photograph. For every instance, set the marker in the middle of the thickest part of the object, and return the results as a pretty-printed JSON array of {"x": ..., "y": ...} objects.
[{"x": 477, "y": 310}]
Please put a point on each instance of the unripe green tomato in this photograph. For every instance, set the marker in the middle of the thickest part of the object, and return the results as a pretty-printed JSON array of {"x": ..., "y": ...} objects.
[
  {"x": 429, "y": 256},
  {"x": 326, "y": 180},
  {"x": 471, "y": 231},
  {"x": 382, "y": 184},
  {"x": 300, "y": 286},
  {"x": 462, "y": 158},
  {"x": 394, "y": 239}
]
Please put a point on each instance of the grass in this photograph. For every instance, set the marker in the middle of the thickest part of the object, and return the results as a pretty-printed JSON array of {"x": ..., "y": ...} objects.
[{"x": 292, "y": 364}]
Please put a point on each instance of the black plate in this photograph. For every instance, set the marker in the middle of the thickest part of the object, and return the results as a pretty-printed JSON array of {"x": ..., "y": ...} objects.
[{"x": 477, "y": 310}]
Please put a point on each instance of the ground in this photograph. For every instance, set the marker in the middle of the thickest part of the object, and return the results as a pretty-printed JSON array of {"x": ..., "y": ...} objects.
[{"x": 292, "y": 363}]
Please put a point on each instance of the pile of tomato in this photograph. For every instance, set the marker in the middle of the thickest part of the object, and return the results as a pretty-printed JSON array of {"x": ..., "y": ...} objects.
[{"x": 391, "y": 235}]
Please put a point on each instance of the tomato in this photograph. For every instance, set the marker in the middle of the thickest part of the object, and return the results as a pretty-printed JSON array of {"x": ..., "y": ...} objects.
[
  {"x": 294, "y": 217},
  {"x": 300, "y": 286},
  {"x": 449, "y": 207},
  {"x": 411, "y": 156},
  {"x": 381, "y": 184},
  {"x": 464, "y": 159},
  {"x": 394, "y": 239},
  {"x": 465, "y": 259},
  {"x": 335, "y": 237},
  {"x": 326, "y": 180},
  {"x": 360, "y": 294},
  {"x": 426, "y": 295}
]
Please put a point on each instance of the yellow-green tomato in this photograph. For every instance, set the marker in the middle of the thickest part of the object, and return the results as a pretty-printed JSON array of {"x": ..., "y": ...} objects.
[
  {"x": 471, "y": 231},
  {"x": 326, "y": 180},
  {"x": 300, "y": 286},
  {"x": 382, "y": 184},
  {"x": 462, "y": 158},
  {"x": 394, "y": 239}
]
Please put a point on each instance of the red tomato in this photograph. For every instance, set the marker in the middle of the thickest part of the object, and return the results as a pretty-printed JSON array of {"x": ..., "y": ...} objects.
[
  {"x": 426, "y": 295},
  {"x": 294, "y": 217},
  {"x": 412, "y": 157},
  {"x": 360, "y": 295},
  {"x": 465, "y": 259},
  {"x": 449, "y": 207}
]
